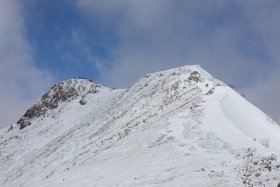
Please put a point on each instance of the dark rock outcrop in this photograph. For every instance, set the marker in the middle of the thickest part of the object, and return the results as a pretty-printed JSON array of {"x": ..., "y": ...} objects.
[{"x": 64, "y": 91}]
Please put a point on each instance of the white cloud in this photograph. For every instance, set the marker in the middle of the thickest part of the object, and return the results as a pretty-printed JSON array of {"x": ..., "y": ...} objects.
[{"x": 20, "y": 81}]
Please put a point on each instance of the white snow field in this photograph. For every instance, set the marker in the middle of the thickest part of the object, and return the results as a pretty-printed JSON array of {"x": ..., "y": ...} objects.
[{"x": 179, "y": 127}]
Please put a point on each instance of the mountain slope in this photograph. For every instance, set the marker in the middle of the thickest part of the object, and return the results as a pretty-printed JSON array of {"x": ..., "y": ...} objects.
[{"x": 176, "y": 127}]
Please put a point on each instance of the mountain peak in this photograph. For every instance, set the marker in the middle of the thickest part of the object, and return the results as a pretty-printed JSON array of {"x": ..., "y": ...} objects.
[
  {"x": 63, "y": 91},
  {"x": 75, "y": 87},
  {"x": 78, "y": 86},
  {"x": 179, "y": 127},
  {"x": 196, "y": 72}
]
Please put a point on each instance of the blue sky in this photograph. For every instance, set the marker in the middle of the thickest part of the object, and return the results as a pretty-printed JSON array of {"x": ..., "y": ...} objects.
[
  {"x": 65, "y": 41},
  {"x": 117, "y": 42}
]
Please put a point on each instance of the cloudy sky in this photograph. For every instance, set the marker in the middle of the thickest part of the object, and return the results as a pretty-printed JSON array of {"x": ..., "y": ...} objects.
[{"x": 117, "y": 42}]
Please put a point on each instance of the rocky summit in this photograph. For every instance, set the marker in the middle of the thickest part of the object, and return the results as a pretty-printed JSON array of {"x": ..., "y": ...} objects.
[{"x": 59, "y": 93}]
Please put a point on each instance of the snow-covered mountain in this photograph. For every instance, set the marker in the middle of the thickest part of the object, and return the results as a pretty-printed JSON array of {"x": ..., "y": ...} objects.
[{"x": 179, "y": 127}]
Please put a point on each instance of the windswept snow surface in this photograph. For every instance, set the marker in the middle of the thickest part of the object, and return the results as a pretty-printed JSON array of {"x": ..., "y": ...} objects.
[{"x": 179, "y": 127}]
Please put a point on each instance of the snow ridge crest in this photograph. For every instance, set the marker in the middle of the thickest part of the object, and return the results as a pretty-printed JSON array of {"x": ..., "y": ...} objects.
[{"x": 71, "y": 89}]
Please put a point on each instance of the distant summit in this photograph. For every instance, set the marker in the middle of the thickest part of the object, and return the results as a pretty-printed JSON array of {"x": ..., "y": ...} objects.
[{"x": 64, "y": 91}]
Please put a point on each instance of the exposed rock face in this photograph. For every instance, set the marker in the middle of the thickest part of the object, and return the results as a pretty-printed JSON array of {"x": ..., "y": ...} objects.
[
  {"x": 64, "y": 91},
  {"x": 195, "y": 76}
]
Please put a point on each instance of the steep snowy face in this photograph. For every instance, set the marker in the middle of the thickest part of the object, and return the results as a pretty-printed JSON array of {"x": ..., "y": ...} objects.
[
  {"x": 179, "y": 127},
  {"x": 64, "y": 91}
]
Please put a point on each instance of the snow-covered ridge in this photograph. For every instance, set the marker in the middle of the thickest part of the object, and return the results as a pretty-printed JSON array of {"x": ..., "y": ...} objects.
[
  {"x": 179, "y": 127},
  {"x": 68, "y": 90}
]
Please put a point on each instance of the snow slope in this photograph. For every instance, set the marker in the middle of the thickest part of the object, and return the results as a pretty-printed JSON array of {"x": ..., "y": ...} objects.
[{"x": 179, "y": 127}]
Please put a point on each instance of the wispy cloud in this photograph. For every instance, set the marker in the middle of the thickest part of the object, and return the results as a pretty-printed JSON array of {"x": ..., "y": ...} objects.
[{"x": 20, "y": 81}]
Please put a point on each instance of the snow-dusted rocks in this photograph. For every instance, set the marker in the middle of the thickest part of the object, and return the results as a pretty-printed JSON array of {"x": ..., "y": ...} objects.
[
  {"x": 179, "y": 127},
  {"x": 64, "y": 91}
]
